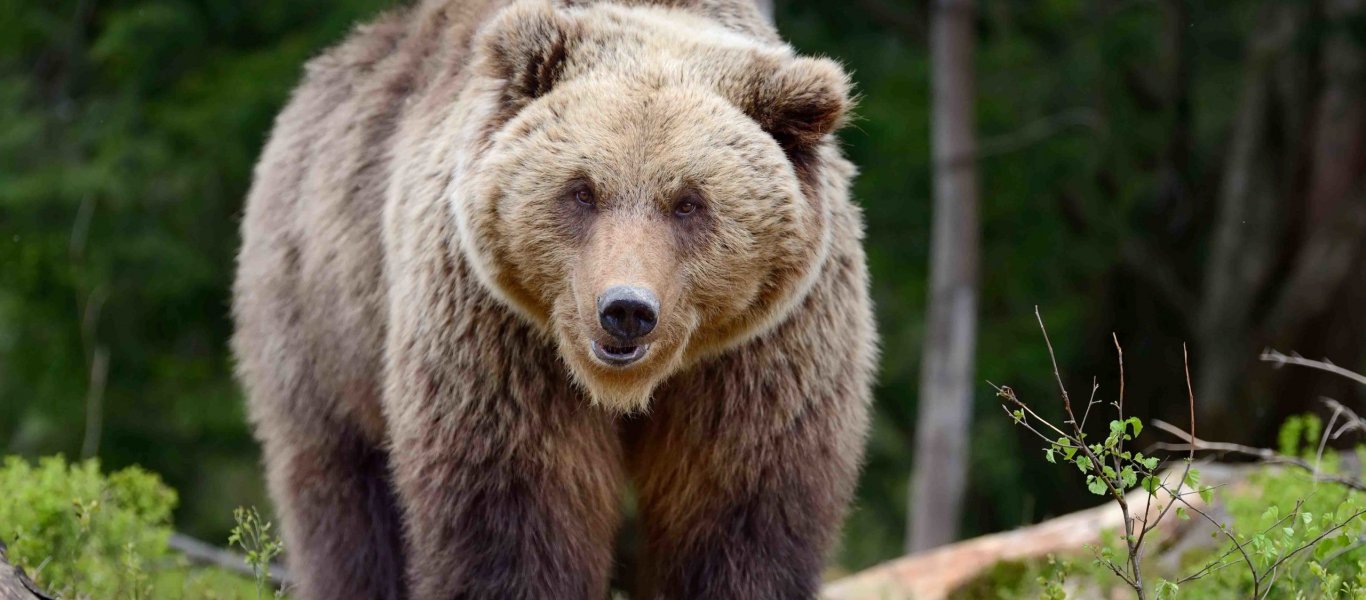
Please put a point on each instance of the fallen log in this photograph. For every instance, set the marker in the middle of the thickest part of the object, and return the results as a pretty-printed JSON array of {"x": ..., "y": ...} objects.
[
  {"x": 935, "y": 574},
  {"x": 14, "y": 584}
]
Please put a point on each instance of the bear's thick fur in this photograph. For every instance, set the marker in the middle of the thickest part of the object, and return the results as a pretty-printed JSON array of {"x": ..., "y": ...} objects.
[{"x": 420, "y": 327}]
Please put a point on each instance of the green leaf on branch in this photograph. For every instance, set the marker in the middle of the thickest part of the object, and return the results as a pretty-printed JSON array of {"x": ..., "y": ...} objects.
[
  {"x": 1083, "y": 463},
  {"x": 1096, "y": 485},
  {"x": 1150, "y": 484}
]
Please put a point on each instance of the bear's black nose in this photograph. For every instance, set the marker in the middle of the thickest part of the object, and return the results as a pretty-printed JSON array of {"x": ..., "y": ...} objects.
[{"x": 628, "y": 312}]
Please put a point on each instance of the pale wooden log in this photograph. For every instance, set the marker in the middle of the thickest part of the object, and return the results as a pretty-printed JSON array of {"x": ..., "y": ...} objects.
[{"x": 933, "y": 575}]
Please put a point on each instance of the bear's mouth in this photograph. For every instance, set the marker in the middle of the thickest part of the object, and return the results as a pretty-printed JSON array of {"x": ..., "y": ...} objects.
[{"x": 619, "y": 356}]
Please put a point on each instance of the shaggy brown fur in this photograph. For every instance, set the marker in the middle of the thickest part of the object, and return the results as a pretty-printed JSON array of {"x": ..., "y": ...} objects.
[{"x": 437, "y": 211}]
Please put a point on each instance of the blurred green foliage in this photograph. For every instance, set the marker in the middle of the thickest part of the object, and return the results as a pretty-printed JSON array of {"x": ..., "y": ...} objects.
[
  {"x": 128, "y": 130},
  {"x": 80, "y": 533},
  {"x": 76, "y": 524}
]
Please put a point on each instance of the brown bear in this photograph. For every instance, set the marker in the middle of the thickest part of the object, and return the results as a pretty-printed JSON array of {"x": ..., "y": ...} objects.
[{"x": 504, "y": 261}]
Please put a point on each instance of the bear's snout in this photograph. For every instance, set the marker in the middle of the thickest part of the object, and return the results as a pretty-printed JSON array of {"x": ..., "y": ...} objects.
[{"x": 627, "y": 312}]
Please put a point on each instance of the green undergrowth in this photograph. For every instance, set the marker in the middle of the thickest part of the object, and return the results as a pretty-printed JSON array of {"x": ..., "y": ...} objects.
[
  {"x": 1281, "y": 533},
  {"x": 80, "y": 533},
  {"x": 1302, "y": 533}
]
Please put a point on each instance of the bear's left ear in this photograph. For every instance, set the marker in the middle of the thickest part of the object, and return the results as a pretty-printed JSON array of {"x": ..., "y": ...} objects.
[
  {"x": 802, "y": 102},
  {"x": 526, "y": 47}
]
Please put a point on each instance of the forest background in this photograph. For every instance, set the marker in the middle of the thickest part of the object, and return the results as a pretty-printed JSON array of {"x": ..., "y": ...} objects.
[{"x": 1169, "y": 171}]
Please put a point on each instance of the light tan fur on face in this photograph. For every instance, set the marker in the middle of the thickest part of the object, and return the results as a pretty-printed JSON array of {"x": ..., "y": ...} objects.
[{"x": 693, "y": 108}]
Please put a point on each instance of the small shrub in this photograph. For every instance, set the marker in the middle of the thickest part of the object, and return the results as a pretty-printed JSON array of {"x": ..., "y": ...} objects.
[
  {"x": 252, "y": 534},
  {"x": 79, "y": 533},
  {"x": 1300, "y": 536},
  {"x": 1283, "y": 510}
]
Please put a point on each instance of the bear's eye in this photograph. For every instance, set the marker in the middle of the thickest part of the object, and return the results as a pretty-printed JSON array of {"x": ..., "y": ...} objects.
[
  {"x": 687, "y": 205},
  {"x": 580, "y": 191},
  {"x": 583, "y": 195}
]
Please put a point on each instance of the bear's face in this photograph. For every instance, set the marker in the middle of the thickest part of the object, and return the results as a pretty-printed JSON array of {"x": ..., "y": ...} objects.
[{"x": 643, "y": 185}]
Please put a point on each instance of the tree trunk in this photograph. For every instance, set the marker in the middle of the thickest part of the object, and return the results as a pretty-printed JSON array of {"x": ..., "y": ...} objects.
[
  {"x": 1318, "y": 312},
  {"x": 939, "y": 474},
  {"x": 1254, "y": 205},
  {"x": 1291, "y": 224}
]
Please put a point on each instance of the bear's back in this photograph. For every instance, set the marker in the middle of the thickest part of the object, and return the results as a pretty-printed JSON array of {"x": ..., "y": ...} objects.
[{"x": 309, "y": 300}]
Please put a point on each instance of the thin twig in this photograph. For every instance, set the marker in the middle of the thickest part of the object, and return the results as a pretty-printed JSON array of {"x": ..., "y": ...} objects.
[
  {"x": 1206, "y": 570},
  {"x": 1272, "y": 356},
  {"x": 1323, "y": 441},
  {"x": 1320, "y": 538},
  {"x": 1006, "y": 392},
  {"x": 1209, "y": 568},
  {"x": 1092, "y": 402},
  {"x": 1119, "y": 356},
  {"x": 1026, "y": 425},
  {"x": 1353, "y": 422},
  {"x": 1348, "y": 549},
  {"x": 1109, "y": 564},
  {"x": 1039, "y": 130},
  {"x": 1066, "y": 400},
  {"x": 1232, "y": 538},
  {"x": 1190, "y": 457},
  {"x": 1262, "y": 454},
  {"x": 1098, "y": 466}
]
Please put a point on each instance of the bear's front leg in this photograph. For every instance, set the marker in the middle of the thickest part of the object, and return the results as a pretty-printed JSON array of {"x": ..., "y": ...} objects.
[
  {"x": 510, "y": 487},
  {"x": 741, "y": 506},
  {"x": 746, "y": 464},
  {"x": 509, "y": 481}
]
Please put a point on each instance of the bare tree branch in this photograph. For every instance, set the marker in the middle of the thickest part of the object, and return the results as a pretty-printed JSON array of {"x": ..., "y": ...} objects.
[
  {"x": 205, "y": 553},
  {"x": 1262, "y": 454},
  {"x": 1281, "y": 360}
]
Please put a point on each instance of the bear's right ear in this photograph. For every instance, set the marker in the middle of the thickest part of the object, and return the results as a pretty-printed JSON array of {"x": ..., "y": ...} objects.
[
  {"x": 526, "y": 48},
  {"x": 801, "y": 102}
]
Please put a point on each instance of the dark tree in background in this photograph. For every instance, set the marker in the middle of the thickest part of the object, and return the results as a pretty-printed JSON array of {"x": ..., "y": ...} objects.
[{"x": 1287, "y": 266}]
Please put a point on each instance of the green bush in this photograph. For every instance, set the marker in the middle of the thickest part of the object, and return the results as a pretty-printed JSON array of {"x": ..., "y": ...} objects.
[
  {"x": 81, "y": 534},
  {"x": 77, "y": 531},
  {"x": 1300, "y": 532},
  {"x": 1307, "y": 527}
]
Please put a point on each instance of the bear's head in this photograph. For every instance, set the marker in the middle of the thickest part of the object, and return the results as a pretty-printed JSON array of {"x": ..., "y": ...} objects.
[{"x": 646, "y": 185}]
